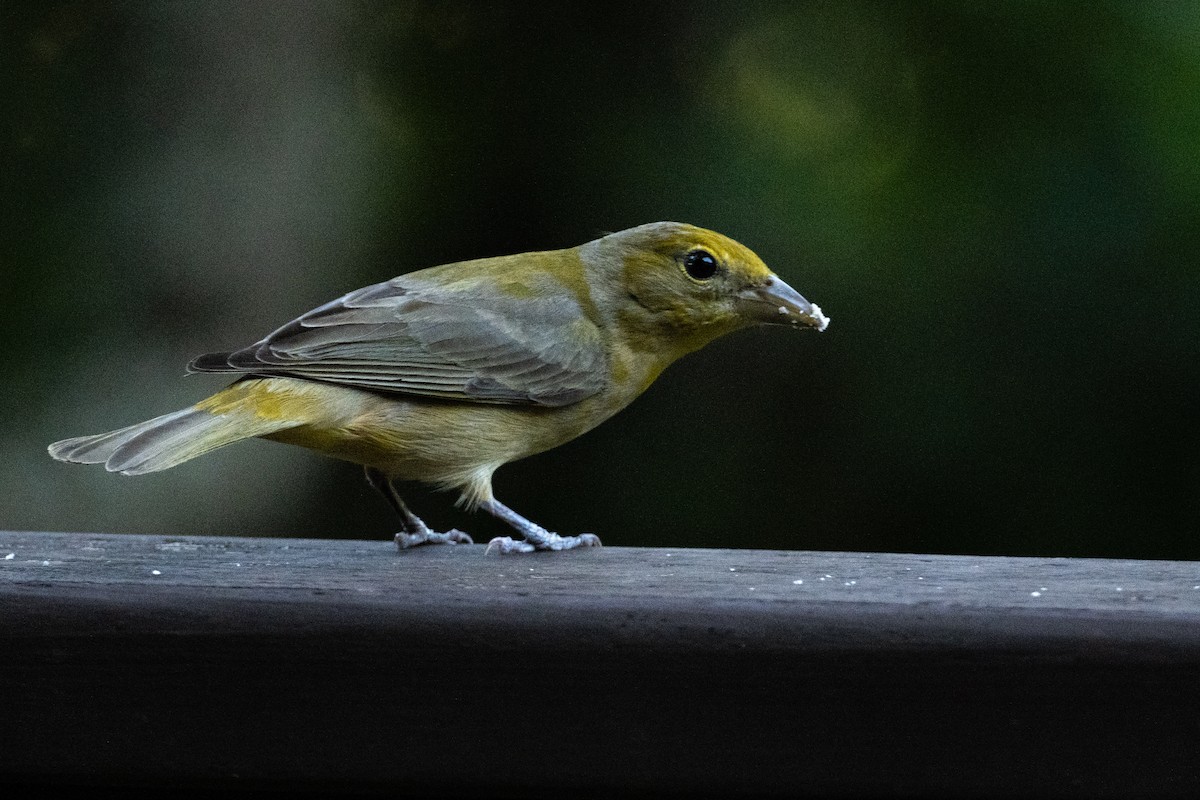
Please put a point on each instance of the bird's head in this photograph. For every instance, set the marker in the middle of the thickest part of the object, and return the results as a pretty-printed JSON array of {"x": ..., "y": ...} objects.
[{"x": 687, "y": 286}]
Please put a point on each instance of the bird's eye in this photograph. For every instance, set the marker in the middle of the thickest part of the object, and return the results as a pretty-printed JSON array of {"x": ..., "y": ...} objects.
[{"x": 700, "y": 265}]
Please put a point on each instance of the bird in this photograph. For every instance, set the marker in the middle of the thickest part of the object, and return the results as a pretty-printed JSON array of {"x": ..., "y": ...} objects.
[{"x": 445, "y": 374}]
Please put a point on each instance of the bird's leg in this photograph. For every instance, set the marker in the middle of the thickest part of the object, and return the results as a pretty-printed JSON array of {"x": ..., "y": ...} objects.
[
  {"x": 415, "y": 530},
  {"x": 536, "y": 537}
]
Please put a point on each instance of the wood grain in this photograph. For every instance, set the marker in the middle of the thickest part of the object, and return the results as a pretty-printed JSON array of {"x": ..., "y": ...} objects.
[{"x": 285, "y": 663}]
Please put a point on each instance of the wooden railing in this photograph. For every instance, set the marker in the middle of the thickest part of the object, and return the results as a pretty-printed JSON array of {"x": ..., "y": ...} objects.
[{"x": 246, "y": 663}]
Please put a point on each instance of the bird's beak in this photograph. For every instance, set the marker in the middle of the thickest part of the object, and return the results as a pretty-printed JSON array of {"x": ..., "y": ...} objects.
[{"x": 777, "y": 303}]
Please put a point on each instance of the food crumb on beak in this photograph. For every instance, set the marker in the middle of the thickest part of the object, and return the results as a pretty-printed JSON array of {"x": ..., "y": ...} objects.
[
  {"x": 819, "y": 314},
  {"x": 822, "y": 321}
]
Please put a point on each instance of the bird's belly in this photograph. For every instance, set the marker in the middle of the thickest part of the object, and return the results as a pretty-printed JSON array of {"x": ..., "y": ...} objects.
[{"x": 446, "y": 443}]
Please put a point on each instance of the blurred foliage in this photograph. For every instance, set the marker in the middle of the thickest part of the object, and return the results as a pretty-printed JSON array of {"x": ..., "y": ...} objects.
[{"x": 996, "y": 203}]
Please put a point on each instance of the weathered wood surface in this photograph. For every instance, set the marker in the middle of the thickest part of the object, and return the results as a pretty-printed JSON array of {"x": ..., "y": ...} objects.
[{"x": 240, "y": 662}]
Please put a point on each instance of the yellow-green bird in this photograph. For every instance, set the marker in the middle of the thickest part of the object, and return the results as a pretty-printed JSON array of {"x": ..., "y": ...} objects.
[{"x": 445, "y": 374}]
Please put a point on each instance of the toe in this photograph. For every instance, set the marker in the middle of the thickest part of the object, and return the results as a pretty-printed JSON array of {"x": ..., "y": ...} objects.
[
  {"x": 572, "y": 542},
  {"x": 506, "y": 544},
  {"x": 455, "y": 536},
  {"x": 405, "y": 540}
]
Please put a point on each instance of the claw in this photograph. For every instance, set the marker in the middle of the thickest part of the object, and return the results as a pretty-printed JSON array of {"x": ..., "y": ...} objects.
[
  {"x": 405, "y": 540},
  {"x": 506, "y": 544},
  {"x": 588, "y": 540}
]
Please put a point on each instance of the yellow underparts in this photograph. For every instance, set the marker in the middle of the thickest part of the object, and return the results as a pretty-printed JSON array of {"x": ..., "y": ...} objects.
[{"x": 449, "y": 445}]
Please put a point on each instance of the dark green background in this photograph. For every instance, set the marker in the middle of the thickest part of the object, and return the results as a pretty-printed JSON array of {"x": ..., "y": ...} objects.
[{"x": 996, "y": 204}]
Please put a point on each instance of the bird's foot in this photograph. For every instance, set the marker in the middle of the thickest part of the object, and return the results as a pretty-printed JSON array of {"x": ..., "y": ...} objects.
[
  {"x": 544, "y": 541},
  {"x": 405, "y": 540},
  {"x": 536, "y": 537}
]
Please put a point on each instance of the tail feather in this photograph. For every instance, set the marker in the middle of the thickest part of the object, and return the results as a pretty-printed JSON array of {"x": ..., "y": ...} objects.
[{"x": 165, "y": 441}]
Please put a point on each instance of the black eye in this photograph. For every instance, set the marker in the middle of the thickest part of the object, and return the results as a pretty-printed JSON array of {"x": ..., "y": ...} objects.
[{"x": 700, "y": 265}]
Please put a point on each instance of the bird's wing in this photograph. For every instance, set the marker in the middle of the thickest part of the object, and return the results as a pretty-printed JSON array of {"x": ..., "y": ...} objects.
[{"x": 410, "y": 337}]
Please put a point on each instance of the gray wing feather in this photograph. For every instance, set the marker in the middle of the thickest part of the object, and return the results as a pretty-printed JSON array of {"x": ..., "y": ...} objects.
[{"x": 406, "y": 338}]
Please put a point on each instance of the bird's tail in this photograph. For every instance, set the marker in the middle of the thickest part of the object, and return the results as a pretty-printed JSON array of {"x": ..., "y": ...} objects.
[{"x": 171, "y": 439}]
